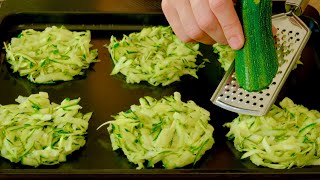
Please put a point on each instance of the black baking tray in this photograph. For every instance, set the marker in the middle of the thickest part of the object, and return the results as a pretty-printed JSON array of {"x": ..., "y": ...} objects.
[{"x": 107, "y": 95}]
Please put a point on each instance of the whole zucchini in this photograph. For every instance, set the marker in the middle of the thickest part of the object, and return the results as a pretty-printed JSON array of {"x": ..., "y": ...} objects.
[{"x": 256, "y": 63}]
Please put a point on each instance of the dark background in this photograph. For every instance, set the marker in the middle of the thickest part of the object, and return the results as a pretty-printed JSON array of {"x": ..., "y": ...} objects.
[{"x": 107, "y": 95}]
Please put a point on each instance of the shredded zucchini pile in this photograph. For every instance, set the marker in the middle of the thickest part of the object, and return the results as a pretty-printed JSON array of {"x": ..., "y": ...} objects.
[
  {"x": 55, "y": 54},
  {"x": 287, "y": 136},
  {"x": 154, "y": 55},
  {"x": 166, "y": 130},
  {"x": 226, "y": 55},
  {"x": 36, "y": 132}
]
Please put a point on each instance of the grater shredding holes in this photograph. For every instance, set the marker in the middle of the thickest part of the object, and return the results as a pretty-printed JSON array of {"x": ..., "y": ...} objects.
[
  {"x": 241, "y": 96},
  {"x": 230, "y": 96}
]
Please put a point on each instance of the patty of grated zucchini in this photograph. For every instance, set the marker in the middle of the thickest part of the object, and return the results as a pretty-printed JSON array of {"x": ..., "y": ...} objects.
[
  {"x": 38, "y": 132},
  {"x": 54, "y": 54},
  {"x": 154, "y": 55},
  {"x": 167, "y": 130},
  {"x": 286, "y": 137}
]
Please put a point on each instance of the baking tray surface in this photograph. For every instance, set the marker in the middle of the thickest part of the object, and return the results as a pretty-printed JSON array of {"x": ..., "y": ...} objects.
[{"x": 107, "y": 95}]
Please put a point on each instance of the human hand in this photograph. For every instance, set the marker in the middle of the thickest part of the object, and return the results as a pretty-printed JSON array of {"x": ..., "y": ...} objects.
[{"x": 205, "y": 21}]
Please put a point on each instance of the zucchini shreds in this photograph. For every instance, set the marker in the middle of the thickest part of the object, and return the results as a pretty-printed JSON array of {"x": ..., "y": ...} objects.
[
  {"x": 41, "y": 137},
  {"x": 226, "y": 55},
  {"x": 154, "y": 55},
  {"x": 286, "y": 137},
  {"x": 164, "y": 134},
  {"x": 54, "y": 54}
]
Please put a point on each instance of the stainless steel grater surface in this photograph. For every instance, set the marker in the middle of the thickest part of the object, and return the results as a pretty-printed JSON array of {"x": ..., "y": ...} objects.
[{"x": 292, "y": 36}]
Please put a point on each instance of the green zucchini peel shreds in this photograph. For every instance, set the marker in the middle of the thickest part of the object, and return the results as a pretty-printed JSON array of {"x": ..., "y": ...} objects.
[
  {"x": 167, "y": 130},
  {"x": 55, "y": 54},
  {"x": 36, "y": 132},
  {"x": 154, "y": 55},
  {"x": 288, "y": 136}
]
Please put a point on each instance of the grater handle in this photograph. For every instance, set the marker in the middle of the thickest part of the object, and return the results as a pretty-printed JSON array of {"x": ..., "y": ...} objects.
[{"x": 296, "y": 6}]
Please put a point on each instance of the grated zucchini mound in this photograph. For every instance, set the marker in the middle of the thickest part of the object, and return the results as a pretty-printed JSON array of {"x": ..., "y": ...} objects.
[
  {"x": 166, "y": 130},
  {"x": 286, "y": 137},
  {"x": 36, "y": 132},
  {"x": 55, "y": 54},
  {"x": 154, "y": 55},
  {"x": 226, "y": 55}
]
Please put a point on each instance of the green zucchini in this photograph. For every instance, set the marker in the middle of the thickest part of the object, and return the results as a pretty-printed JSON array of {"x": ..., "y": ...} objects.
[{"x": 256, "y": 63}]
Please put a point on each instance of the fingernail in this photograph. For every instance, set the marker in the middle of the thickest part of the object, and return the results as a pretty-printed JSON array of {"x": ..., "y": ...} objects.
[{"x": 235, "y": 42}]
